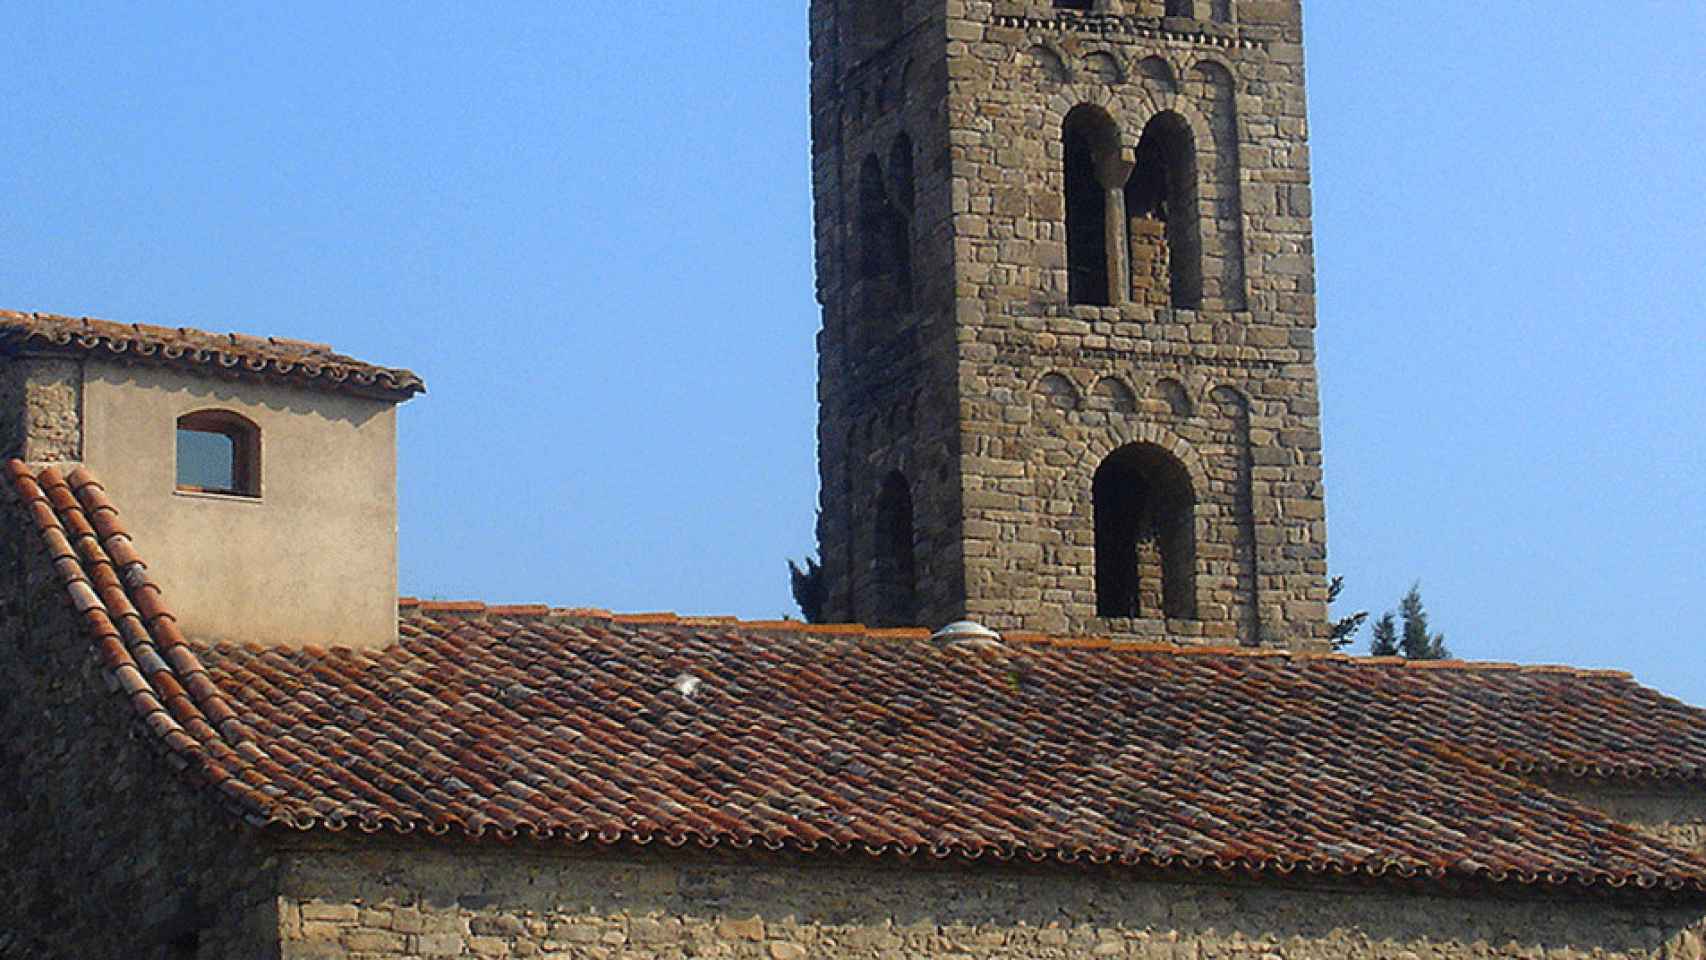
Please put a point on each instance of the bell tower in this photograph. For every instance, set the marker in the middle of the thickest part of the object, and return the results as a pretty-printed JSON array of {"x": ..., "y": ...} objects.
[{"x": 1067, "y": 367}]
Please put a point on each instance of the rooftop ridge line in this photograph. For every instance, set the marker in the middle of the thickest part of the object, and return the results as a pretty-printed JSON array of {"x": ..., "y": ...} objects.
[
  {"x": 1093, "y": 643},
  {"x": 228, "y": 354}
]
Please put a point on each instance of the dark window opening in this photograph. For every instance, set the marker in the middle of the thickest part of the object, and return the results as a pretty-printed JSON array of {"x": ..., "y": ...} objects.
[
  {"x": 1180, "y": 8},
  {"x": 219, "y": 452},
  {"x": 1074, "y": 4},
  {"x": 885, "y": 236},
  {"x": 1091, "y": 140},
  {"x": 897, "y": 574},
  {"x": 1220, "y": 11},
  {"x": 1163, "y": 189},
  {"x": 185, "y": 946},
  {"x": 900, "y": 222},
  {"x": 873, "y": 219},
  {"x": 878, "y": 21},
  {"x": 1145, "y": 516}
]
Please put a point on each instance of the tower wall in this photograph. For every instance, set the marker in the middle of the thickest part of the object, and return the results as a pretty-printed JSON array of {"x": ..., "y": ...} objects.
[
  {"x": 1008, "y": 389},
  {"x": 887, "y": 357}
]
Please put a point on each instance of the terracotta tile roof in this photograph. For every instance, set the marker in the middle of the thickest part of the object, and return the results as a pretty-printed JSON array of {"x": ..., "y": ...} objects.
[
  {"x": 584, "y": 727},
  {"x": 228, "y": 355}
]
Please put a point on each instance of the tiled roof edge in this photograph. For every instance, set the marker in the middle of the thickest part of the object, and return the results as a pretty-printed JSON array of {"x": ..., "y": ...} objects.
[
  {"x": 476, "y": 608},
  {"x": 144, "y": 658},
  {"x": 146, "y": 662},
  {"x": 1256, "y": 868},
  {"x": 231, "y": 355}
]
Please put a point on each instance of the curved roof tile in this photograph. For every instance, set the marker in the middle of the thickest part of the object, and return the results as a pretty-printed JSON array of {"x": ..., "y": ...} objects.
[{"x": 225, "y": 355}]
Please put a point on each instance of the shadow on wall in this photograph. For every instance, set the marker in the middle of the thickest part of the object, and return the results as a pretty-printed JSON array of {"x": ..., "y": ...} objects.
[{"x": 341, "y": 408}]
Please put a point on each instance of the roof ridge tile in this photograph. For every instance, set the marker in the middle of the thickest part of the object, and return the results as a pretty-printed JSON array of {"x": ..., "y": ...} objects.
[{"x": 271, "y": 358}]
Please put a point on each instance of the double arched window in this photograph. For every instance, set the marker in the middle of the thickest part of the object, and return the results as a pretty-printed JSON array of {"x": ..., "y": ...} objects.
[
  {"x": 219, "y": 451},
  {"x": 1133, "y": 228}
]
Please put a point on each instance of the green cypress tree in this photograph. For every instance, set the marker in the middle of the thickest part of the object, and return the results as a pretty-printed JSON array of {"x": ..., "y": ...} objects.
[
  {"x": 1385, "y": 642},
  {"x": 1418, "y": 643}
]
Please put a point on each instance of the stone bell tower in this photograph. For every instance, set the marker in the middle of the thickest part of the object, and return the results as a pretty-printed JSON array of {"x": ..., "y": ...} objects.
[{"x": 1067, "y": 364}]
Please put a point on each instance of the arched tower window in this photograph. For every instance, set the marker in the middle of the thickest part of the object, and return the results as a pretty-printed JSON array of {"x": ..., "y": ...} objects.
[
  {"x": 219, "y": 452},
  {"x": 1145, "y": 515},
  {"x": 876, "y": 22},
  {"x": 883, "y": 248},
  {"x": 897, "y": 576},
  {"x": 1163, "y": 190},
  {"x": 873, "y": 221},
  {"x": 1091, "y": 142},
  {"x": 900, "y": 206}
]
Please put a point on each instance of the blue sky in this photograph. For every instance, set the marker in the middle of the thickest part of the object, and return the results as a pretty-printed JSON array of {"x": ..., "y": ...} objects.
[{"x": 591, "y": 234}]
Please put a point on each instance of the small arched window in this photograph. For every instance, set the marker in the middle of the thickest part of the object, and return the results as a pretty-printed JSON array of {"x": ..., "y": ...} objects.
[
  {"x": 219, "y": 452},
  {"x": 1092, "y": 142},
  {"x": 876, "y": 22},
  {"x": 1163, "y": 189},
  {"x": 897, "y": 574},
  {"x": 1145, "y": 515}
]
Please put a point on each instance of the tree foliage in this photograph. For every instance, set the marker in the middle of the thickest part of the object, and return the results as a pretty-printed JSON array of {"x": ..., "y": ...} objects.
[
  {"x": 1345, "y": 628},
  {"x": 1418, "y": 643},
  {"x": 1385, "y": 642},
  {"x": 1406, "y": 633},
  {"x": 810, "y": 590}
]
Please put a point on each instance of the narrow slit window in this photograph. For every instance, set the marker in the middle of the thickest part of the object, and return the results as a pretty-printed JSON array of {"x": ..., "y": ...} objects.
[{"x": 219, "y": 452}]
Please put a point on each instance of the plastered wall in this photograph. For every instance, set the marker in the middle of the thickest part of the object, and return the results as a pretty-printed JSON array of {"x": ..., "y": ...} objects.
[{"x": 313, "y": 560}]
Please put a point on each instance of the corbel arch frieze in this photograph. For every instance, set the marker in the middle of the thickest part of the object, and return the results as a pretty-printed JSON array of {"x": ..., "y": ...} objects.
[
  {"x": 1047, "y": 55},
  {"x": 1188, "y": 64},
  {"x": 1111, "y": 55}
]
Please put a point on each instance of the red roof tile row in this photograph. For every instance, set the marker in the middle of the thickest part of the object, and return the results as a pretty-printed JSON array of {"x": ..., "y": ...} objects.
[
  {"x": 233, "y": 355},
  {"x": 584, "y": 727}
]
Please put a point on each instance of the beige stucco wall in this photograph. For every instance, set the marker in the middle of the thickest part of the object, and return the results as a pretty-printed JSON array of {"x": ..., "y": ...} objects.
[
  {"x": 398, "y": 903},
  {"x": 312, "y": 561}
]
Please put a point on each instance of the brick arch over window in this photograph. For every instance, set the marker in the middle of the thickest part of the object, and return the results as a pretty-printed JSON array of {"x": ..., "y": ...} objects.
[
  {"x": 896, "y": 566},
  {"x": 219, "y": 451},
  {"x": 1146, "y": 536}
]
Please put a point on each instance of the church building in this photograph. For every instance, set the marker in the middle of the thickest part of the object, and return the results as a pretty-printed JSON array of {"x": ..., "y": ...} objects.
[{"x": 1073, "y": 694}]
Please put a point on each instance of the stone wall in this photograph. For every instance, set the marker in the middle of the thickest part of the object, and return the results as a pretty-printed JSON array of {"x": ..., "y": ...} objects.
[
  {"x": 41, "y": 402},
  {"x": 502, "y": 902},
  {"x": 949, "y": 394},
  {"x": 886, "y": 354},
  {"x": 107, "y": 853}
]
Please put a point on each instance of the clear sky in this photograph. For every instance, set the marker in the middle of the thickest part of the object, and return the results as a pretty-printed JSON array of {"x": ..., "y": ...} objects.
[{"x": 591, "y": 234}]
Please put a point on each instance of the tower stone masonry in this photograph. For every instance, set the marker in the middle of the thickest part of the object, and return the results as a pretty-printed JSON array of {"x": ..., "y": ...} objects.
[{"x": 1067, "y": 366}]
